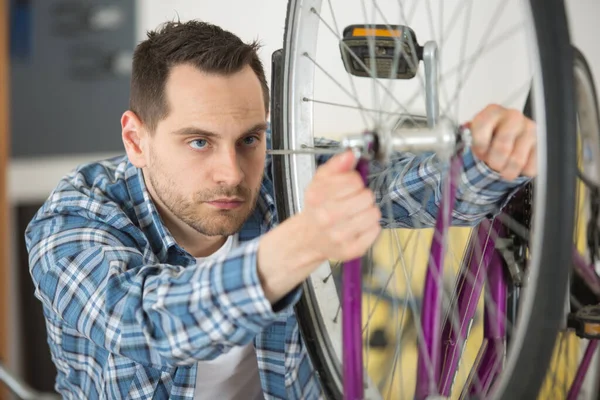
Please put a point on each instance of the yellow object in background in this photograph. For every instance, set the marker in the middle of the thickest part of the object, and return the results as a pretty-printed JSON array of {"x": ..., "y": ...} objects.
[{"x": 410, "y": 268}]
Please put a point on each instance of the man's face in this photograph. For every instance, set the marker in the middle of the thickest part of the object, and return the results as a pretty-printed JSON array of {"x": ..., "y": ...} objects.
[{"x": 205, "y": 161}]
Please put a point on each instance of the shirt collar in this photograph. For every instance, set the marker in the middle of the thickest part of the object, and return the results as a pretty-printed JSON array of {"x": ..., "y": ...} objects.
[{"x": 150, "y": 222}]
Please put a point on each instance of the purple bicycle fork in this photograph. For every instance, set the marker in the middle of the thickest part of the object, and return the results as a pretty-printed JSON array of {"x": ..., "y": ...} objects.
[
  {"x": 429, "y": 362},
  {"x": 352, "y": 319},
  {"x": 440, "y": 349}
]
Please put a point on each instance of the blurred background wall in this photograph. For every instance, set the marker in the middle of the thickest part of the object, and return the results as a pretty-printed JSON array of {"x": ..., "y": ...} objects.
[{"x": 69, "y": 84}]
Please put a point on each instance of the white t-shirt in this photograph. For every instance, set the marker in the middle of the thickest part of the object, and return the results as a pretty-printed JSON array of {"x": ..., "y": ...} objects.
[{"x": 233, "y": 375}]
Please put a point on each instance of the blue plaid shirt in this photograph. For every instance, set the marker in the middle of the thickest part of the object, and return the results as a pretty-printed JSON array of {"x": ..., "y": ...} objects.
[{"x": 129, "y": 312}]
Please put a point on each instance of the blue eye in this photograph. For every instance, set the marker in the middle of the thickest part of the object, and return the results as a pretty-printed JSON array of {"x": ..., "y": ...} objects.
[
  {"x": 198, "y": 144},
  {"x": 249, "y": 140}
]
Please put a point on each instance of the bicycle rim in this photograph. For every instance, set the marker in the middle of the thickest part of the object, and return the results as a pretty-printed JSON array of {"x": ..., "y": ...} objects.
[{"x": 293, "y": 127}]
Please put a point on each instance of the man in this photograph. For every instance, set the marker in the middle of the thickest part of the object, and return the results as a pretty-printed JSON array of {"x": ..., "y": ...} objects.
[{"x": 164, "y": 274}]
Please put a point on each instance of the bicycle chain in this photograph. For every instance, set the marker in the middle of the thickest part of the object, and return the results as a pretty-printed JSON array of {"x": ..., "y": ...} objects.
[
  {"x": 593, "y": 231},
  {"x": 584, "y": 316},
  {"x": 520, "y": 207},
  {"x": 515, "y": 253}
]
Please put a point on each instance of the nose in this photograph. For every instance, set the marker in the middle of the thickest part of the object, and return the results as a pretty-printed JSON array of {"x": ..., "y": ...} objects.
[{"x": 227, "y": 170}]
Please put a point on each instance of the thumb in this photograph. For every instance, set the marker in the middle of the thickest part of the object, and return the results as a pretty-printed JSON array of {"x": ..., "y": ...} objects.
[{"x": 342, "y": 162}]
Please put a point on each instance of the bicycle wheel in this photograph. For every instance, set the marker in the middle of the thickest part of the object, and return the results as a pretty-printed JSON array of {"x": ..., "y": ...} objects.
[
  {"x": 324, "y": 68},
  {"x": 573, "y": 372}
]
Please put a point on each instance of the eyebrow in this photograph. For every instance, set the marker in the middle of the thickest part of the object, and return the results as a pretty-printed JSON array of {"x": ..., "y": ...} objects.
[{"x": 191, "y": 130}]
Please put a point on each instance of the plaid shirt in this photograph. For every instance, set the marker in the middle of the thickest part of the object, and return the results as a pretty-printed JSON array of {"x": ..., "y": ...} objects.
[{"x": 129, "y": 312}]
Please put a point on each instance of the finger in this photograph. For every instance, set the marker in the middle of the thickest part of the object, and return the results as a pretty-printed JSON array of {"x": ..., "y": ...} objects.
[
  {"x": 510, "y": 127},
  {"x": 342, "y": 186},
  {"x": 339, "y": 163},
  {"x": 361, "y": 243},
  {"x": 531, "y": 168},
  {"x": 334, "y": 187},
  {"x": 352, "y": 226},
  {"x": 347, "y": 209},
  {"x": 519, "y": 157},
  {"x": 482, "y": 128}
]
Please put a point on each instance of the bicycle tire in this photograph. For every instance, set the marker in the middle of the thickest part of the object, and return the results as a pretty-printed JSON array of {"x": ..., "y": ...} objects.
[
  {"x": 580, "y": 61},
  {"x": 568, "y": 351},
  {"x": 542, "y": 324},
  {"x": 588, "y": 97},
  {"x": 588, "y": 115}
]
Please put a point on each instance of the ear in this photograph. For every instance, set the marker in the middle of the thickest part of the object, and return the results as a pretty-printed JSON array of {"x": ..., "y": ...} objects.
[{"x": 134, "y": 134}]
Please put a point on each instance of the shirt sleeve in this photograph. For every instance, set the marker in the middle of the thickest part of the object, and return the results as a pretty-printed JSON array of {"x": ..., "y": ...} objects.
[
  {"x": 96, "y": 279},
  {"x": 410, "y": 187}
]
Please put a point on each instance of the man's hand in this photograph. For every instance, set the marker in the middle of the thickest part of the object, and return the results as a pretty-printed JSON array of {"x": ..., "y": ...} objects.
[
  {"x": 341, "y": 211},
  {"x": 340, "y": 221},
  {"x": 506, "y": 141}
]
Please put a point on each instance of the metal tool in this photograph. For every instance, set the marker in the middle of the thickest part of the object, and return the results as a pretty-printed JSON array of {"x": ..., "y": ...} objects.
[{"x": 308, "y": 150}]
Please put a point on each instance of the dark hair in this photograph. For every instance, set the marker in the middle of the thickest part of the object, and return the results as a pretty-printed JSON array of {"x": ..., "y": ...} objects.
[{"x": 208, "y": 47}]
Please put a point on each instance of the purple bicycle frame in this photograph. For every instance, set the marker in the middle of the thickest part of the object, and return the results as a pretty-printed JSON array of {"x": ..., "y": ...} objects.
[{"x": 439, "y": 352}]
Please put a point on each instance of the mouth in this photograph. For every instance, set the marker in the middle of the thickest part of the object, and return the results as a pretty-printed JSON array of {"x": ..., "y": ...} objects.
[{"x": 226, "y": 203}]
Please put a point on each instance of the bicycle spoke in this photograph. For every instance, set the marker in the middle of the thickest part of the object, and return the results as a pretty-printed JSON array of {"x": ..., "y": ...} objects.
[
  {"x": 398, "y": 52},
  {"x": 382, "y": 291},
  {"x": 383, "y": 106},
  {"x": 371, "y": 45},
  {"x": 337, "y": 314},
  {"x": 470, "y": 60},
  {"x": 448, "y": 30},
  {"x": 416, "y": 222},
  {"x": 519, "y": 92},
  {"x": 360, "y": 63},
  {"x": 407, "y": 275},
  {"x": 398, "y": 346},
  {"x": 482, "y": 44},
  {"x": 329, "y": 103},
  {"x": 463, "y": 50},
  {"x": 398, "y": 43},
  {"x": 494, "y": 17},
  {"x": 417, "y": 315},
  {"x": 350, "y": 78},
  {"x": 439, "y": 41},
  {"x": 451, "y": 317},
  {"x": 491, "y": 308},
  {"x": 360, "y": 106},
  {"x": 336, "y": 265},
  {"x": 483, "y": 49}
]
